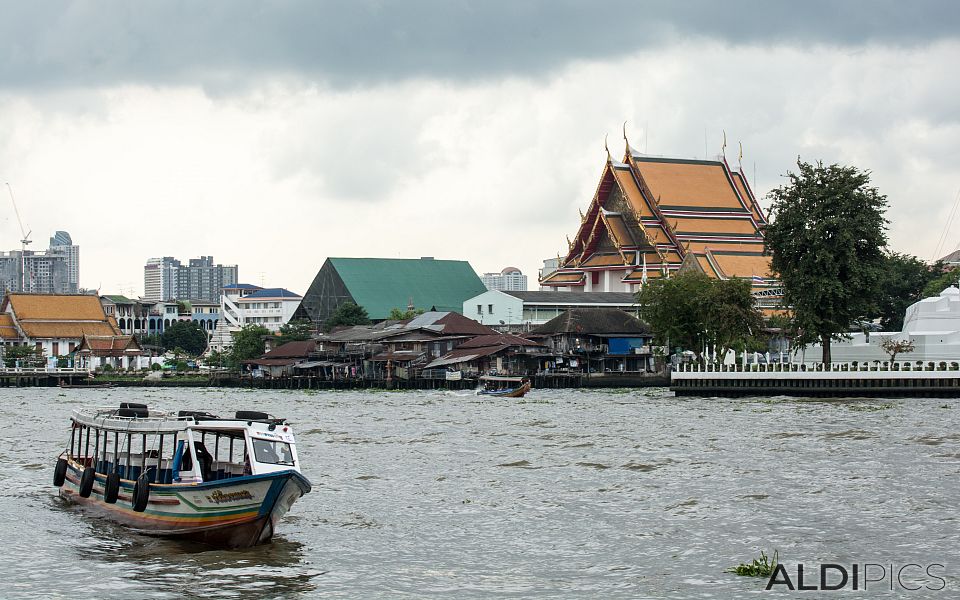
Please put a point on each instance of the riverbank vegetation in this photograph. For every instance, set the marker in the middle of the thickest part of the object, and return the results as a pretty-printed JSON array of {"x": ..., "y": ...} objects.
[{"x": 763, "y": 566}]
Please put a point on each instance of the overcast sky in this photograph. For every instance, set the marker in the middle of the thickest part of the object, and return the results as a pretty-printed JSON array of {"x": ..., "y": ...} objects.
[{"x": 275, "y": 134}]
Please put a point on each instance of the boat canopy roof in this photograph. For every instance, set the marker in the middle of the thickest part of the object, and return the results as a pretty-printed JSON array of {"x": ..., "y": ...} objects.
[
  {"x": 141, "y": 419},
  {"x": 109, "y": 418},
  {"x": 500, "y": 378}
]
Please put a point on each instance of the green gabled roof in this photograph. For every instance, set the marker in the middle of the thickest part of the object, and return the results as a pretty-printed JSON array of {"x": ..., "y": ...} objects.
[
  {"x": 381, "y": 284},
  {"x": 118, "y": 299}
]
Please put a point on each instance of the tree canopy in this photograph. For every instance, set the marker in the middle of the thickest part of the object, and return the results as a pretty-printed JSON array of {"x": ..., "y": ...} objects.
[
  {"x": 692, "y": 310},
  {"x": 295, "y": 331},
  {"x": 942, "y": 281},
  {"x": 347, "y": 313},
  {"x": 905, "y": 279},
  {"x": 827, "y": 239},
  {"x": 397, "y": 314},
  {"x": 248, "y": 343},
  {"x": 29, "y": 356},
  {"x": 186, "y": 335}
]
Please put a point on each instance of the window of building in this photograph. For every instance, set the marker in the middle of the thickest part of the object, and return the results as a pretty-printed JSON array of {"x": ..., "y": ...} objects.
[
  {"x": 489, "y": 309},
  {"x": 479, "y": 309}
]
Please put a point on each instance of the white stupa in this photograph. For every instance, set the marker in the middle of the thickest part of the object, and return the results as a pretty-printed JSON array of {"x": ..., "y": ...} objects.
[{"x": 932, "y": 324}]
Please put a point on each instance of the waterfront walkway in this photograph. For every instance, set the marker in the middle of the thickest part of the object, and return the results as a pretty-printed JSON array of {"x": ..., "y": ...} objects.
[
  {"x": 31, "y": 377},
  {"x": 902, "y": 379}
]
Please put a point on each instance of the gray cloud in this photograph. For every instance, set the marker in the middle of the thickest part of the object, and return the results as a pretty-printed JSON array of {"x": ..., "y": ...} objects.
[{"x": 225, "y": 43}]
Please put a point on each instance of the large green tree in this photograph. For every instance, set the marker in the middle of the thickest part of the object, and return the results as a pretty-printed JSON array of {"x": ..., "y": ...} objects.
[
  {"x": 692, "y": 310},
  {"x": 248, "y": 343},
  {"x": 347, "y": 313},
  {"x": 827, "y": 240},
  {"x": 904, "y": 279},
  {"x": 295, "y": 331},
  {"x": 186, "y": 335}
]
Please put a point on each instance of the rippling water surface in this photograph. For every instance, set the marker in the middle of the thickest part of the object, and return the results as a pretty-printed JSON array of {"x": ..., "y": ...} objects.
[{"x": 565, "y": 493}]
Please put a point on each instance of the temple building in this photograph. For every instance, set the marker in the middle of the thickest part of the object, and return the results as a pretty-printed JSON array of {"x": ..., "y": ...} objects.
[
  {"x": 381, "y": 284},
  {"x": 653, "y": 216}
]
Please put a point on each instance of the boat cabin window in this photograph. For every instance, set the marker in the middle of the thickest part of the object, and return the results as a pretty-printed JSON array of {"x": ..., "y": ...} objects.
[
  {"x": 272, "y": 452},
  {"x": 214, "y": 454}
]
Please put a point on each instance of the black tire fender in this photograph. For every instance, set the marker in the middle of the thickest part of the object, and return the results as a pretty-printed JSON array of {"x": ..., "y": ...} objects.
[
  {"x": 251, "y": 415},
  {"x": 111, "y": 489},
  {"x": 86, "y": 481},
  {"x": 141, "y": 494},
  {"x": 60, "y": 472}
]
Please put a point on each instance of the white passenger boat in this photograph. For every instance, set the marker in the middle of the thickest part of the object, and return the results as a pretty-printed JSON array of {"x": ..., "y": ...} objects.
[{"x": 190, "y": 475}]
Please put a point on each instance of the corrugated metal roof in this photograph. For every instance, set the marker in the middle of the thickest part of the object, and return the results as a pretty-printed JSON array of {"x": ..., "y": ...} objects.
[
  {"x": 299, "y": 349},
  {"x": 462, "y": 356},
  {"x": 594, "y": 321},
  {"x": 448, "y": 323},
  {"x": 499, "y": 339},
  {"x": 382, "y": 284}
]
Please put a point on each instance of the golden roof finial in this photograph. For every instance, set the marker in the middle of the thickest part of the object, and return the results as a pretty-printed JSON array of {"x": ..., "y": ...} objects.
[
  {"x": 583, "y": 217},
  {"x": 740, "y": 156},
  {"x": 569, "y": 243},
  {"x": 606, "y": 147},
  {"x": 723, "y": 148}
]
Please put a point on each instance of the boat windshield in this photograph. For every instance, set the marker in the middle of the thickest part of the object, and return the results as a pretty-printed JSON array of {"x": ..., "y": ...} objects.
[{"x": 272, "y": 452}]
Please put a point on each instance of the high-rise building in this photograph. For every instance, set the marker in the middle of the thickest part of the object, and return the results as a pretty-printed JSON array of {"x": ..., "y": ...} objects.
[
  {"x": 10, "y": 271},
  {"x": 61, "y": 243},
  {"x": 46, "y": 273},
  {"x": 52, "y": 271},
  {"x": 160, "y": 279},
  {"x": 507, "y": 280},
  {"x": 200, "y": 279},
  {"x": 203, "y": 280}
]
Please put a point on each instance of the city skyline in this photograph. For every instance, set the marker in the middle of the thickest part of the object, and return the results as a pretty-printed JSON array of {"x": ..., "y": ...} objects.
[
  {"x": 445, "y": 130},
  {"x": 54, "y": 270}
]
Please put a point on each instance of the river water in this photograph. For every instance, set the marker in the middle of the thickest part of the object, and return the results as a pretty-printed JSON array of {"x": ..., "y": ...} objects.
[{"x": 562, "y": 494}]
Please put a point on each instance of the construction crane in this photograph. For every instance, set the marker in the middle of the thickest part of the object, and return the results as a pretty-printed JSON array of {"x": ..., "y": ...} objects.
[{"x": 24, "y": 240}]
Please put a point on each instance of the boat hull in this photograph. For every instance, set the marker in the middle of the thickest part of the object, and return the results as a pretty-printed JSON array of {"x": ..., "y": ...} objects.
[
  {"x": 232, "y": 513},
  {"x": 509, "y": 393}
]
